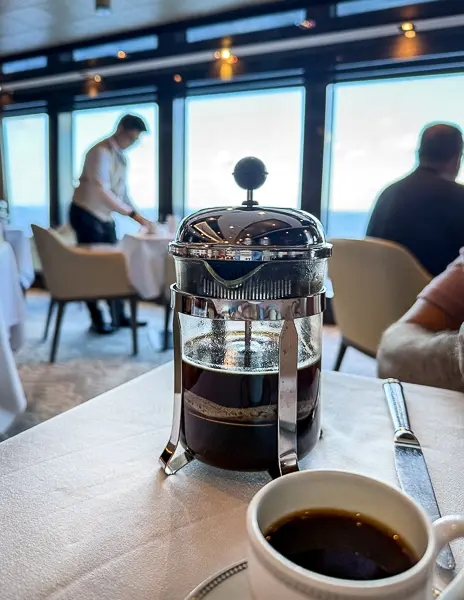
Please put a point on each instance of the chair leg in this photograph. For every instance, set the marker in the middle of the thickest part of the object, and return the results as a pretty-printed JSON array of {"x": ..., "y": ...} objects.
[
  {"x": 134, "y": 328},
  {"x": 56, "y": 336},
  {"x": 51, "y": 307},
  {"x": 115, "y": 317},
  {"x": 167, "y": 314},
  {"x": 341, "y": 353}
]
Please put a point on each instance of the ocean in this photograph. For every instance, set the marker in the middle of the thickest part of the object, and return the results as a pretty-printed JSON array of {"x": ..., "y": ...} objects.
[
  {"x": 347, "y": 224},
  {"x": 339, "y": 224}
]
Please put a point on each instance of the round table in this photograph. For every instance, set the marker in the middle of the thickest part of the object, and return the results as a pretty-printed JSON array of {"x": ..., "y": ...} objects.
[
  {"x": 146, "y": 262},
  {"x": 22, "y": 248},
  {"x": 12, "y": 317}
]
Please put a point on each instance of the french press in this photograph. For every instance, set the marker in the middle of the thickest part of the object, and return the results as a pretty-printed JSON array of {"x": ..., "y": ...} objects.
[{"x": 248, "y": 307}]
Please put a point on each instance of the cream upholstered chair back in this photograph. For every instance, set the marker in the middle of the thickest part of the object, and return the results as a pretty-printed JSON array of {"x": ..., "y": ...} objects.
[
  {"x": 73, "y": 273},
  {"x": 375, "y": 282},
  {"x": 65, "y": 232}
]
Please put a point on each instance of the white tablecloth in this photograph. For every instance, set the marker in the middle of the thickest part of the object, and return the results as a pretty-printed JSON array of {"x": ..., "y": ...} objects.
[
  {"x": 87, "y": 514},
  {"x": 22, "y": 249},
  {"x": 12, "y": 315},
  {"x": 146, "y": 260}
]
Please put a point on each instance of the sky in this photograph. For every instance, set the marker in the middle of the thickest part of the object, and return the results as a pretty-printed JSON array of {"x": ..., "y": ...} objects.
[
  {"x": 222, "y": 129},
  {"x": 376, "y": 129},
  {"x": 373, "y": 142}
]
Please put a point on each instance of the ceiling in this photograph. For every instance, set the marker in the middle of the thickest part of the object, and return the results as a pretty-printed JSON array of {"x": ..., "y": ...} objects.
[{"x": 30, "y": 24}]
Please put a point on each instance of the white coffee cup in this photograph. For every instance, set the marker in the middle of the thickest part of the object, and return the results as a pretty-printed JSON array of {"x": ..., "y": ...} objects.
[{"x": 273, "y": 577}]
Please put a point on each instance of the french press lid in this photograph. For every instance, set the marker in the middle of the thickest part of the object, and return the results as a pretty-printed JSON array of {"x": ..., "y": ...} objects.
[{"x": 250, "y": 232}]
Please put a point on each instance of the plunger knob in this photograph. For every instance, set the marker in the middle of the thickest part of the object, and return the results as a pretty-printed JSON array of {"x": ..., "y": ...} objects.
[{"x": 250, "y": 173}]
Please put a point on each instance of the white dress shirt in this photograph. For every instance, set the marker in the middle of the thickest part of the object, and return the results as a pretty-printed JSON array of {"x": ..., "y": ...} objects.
[{"x": 102, "y": 184}]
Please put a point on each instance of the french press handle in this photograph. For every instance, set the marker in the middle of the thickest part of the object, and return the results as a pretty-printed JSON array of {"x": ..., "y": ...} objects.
[{"x": 287, "y": 400}]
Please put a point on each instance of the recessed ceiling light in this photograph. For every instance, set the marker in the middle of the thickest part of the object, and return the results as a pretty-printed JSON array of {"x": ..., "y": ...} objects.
[
  {"x": 407, "y": 26},
  {"x": 410, "y": 34},
  {"x": 121, "y": 54}
]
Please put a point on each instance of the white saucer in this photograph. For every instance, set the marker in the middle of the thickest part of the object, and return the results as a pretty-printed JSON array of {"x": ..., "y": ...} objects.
[{"x": 231, "y": 584}]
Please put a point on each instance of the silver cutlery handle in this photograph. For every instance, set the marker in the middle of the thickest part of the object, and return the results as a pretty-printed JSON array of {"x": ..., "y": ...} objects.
[{"x": 397, "y": 405}]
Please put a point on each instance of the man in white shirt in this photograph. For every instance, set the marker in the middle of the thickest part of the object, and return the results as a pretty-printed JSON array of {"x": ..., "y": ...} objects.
[{"x": 102, "y": 190}]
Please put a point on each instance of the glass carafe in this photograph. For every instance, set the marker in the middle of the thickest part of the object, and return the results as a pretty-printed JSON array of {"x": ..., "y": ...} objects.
[{"x": 230, "y": 386}]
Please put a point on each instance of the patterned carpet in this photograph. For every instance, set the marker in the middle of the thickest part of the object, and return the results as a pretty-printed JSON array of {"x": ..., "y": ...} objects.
[
  {"x": 86, "y": 365},
  {"x": 89, "y": 365}
]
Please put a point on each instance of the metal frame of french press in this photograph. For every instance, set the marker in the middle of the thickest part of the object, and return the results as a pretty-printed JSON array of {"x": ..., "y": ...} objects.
[{"x": 286, "y": 310}]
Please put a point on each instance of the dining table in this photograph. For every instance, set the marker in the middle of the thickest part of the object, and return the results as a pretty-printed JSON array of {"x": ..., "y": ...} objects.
[
  {"x": 145, "y": 255},
  {"x": 12, "y": 320},
  {"x": 21, "y": 245},
  {"x": 146, "y": 261},
  {"x": 87, "y": 512}
]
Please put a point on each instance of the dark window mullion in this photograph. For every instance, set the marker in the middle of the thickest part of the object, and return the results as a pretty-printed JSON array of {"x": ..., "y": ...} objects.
[
  {"x": 53, "y": 154},
  {"x": 313, "y": 146},
  {"x": 165, "y": 146}
]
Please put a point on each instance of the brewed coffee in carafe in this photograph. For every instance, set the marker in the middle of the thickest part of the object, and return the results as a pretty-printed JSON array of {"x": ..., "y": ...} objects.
[{"x": 230, "y": 395}]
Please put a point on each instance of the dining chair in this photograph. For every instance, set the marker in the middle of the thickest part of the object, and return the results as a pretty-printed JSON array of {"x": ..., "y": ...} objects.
[
  {"x": 375, "y": 282},
  {"x": 68, "y": 236},
  {"x": 170, "y": 278},
  {"x": 76, "y": 274}
]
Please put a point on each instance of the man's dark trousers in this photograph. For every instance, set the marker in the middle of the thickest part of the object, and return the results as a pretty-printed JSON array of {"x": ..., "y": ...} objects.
[{"x": 90, "y": 230}]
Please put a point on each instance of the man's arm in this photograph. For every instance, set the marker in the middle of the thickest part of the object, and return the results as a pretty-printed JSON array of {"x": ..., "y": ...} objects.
[
  {"x": 453, "y": 210},
  {"x": 424, "y": 346},
  {"x": 127, "y": 200},
  {"x": 431, "y": 317},
  {"x": 135, "y": 213},
  {"x": 377, "y": 218},
  {"x": 412, "y": 353}
]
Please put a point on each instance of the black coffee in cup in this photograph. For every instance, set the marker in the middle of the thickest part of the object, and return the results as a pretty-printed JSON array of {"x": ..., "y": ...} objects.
[{"x": 341, "y": 544}]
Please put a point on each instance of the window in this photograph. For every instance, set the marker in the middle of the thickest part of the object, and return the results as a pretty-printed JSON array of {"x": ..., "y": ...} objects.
[
  {"x": 354, "y": 7},
  {"x": 249, "y": 25},
  {"x": 221, "y": 129},
  {"x": 25, "y": 64},
  {"x": 375, "y": 131},
  {"x": 26, "y": 165},
  {"x": 89, "y": 126},
  {"x": 111, "y": 49}
]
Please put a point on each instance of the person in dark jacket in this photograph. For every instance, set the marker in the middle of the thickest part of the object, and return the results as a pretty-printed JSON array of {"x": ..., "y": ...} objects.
[{"x": 424, "y": 211}]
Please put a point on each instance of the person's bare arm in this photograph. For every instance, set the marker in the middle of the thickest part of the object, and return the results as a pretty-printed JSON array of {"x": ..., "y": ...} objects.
[
  {"x": 423, "y": 346},
  {"x": 411, "y": 353},
  {"x": 137, "y": 217},
  {"x": 431, "y": 317}
]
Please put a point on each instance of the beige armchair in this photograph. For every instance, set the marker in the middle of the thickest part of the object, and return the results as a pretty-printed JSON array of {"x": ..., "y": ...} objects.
[
  {"x": 79, "y": 274},
  {"x": 375, "y": 282}
]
